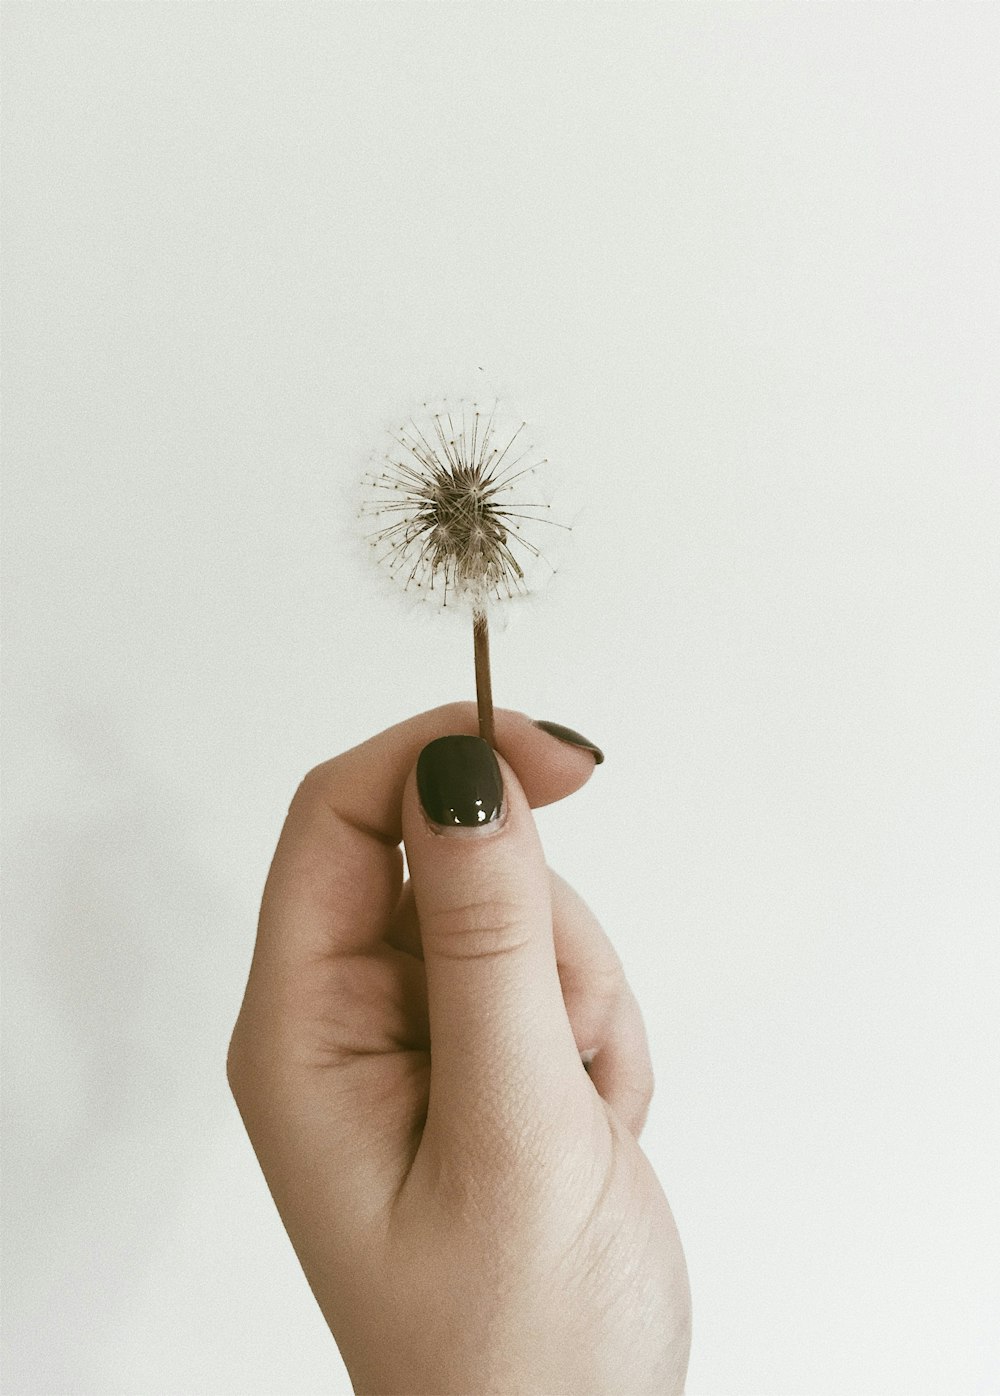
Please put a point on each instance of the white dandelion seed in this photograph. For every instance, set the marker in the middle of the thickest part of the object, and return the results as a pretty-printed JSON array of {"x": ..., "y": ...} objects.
[{"x": 458, "y": 516}]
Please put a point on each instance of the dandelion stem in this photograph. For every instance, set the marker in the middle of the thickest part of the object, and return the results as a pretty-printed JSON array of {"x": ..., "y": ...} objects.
[{"x": 484, "y": 685}]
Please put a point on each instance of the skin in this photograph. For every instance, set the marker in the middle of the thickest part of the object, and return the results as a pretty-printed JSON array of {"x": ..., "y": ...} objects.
[{"x": 479, "y": 1220}]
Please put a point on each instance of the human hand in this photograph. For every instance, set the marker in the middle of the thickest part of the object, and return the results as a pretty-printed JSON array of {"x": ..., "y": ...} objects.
[{"x": 470, "y": 1206}]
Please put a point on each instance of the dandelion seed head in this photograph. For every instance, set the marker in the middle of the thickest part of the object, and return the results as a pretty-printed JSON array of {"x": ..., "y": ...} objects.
[{"x": 455, "y": 507}]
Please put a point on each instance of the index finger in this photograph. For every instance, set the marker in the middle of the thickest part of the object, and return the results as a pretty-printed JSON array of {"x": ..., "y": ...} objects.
[{"x": 337, "y": 871}]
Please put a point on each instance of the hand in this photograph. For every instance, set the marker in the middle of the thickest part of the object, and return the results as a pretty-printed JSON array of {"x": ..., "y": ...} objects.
[{"x": 468, "y": 1203}]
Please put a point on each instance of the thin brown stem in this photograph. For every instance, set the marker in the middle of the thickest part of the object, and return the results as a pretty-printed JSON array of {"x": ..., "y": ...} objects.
[{"x": 484, "y": 685}]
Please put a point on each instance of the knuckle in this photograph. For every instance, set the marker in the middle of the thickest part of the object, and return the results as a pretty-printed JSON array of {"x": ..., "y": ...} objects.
[
  {"x": 254, "y": 1050},
  {"x": 598, "y": 976},
  {"x": 606, "y": 981},
  {"x": 484, "y": 928},
  {"x": 641, "y": 1114},
  {"x": 645, "y": 1088},
  {"x": 638, "y": 1097},
  {"x": 238, "y": 1069},
  {"x": 312, "y": 788}
]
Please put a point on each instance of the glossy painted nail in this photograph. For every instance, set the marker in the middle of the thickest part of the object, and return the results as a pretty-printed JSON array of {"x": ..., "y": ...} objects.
[
  {"x": 566, "y": 734},
  {"x": 459, "y": 783}
]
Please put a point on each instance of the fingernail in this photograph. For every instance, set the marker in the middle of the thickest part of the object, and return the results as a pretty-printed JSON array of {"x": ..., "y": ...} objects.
[
  {"x": 459, "y": 782},
  {"x": 566, "y": 734}
]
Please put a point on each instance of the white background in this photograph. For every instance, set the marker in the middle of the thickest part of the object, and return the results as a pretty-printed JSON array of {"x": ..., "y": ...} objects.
[{"x": 738, "y": 264}]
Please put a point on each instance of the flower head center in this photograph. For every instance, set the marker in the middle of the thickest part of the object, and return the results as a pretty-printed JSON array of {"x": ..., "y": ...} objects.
[{"x": 462, "y": 524}]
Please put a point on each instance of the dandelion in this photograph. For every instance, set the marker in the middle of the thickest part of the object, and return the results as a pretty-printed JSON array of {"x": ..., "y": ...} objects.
[{"x": 455, "y": 507}]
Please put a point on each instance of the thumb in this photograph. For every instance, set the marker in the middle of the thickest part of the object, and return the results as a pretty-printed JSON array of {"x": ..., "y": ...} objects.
[{"x": 482, "y": 893}]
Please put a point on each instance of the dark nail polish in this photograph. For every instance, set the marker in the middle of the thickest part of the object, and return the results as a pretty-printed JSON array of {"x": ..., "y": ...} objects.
[
  {"x": 566, "y": 734},
  {"x": 459, "y": 782}
]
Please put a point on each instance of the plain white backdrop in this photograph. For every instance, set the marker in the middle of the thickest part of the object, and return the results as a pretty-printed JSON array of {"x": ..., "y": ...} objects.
[{"x": 739, "y": 266}]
